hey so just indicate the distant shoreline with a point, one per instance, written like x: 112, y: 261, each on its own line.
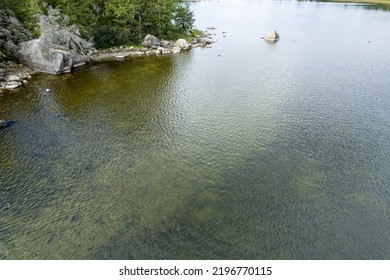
x: 368, y: 2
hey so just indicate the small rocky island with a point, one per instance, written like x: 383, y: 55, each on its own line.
x: 272, y: 36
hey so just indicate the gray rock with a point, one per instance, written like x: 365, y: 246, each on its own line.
x: 43, y: 59
x: 159, y: 50
x: 165, y: 43
x: 272, y: 36
x: 14, y: 78
x: 182, y: 44
x: 13, y: 84
x: 206, y: 41
x: 166, y: 51
x: 78, y: 60
x: 176, y: 50
x: 151, y: 41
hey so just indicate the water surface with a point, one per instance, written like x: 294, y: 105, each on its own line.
x: 247, y: 150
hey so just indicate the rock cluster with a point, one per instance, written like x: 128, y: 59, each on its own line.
x: 152, y: 45
x: 16, y: 76
x: 56, y: 60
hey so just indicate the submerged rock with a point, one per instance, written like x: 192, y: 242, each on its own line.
x: 76, y: 217
x: 6, y: 124
x: 272, y: 36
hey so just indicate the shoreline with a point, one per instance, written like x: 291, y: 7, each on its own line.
x: 368, y: 2
x: 16, y: 75
x: 122, y: 53
x: 379, y: 3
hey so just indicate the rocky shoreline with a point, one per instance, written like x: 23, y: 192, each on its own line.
x: 13, y: 75
x: 153, y: 46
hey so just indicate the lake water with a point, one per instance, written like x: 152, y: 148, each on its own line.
x: 247, y: 150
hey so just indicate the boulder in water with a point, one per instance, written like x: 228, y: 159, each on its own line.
x: 272, y: 36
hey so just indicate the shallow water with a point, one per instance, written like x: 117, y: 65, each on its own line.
x: 248, y: 150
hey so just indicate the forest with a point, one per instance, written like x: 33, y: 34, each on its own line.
x: 106, y: 23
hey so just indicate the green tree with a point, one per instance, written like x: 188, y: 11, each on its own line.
x: 110, y: 22
x: 24, y: 10
x: 184, y: 17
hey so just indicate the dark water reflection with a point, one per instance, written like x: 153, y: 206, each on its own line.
x: 244, y: 151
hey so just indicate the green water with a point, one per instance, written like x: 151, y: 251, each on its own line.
x: 247, y: 150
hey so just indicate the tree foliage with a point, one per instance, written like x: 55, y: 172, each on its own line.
x: 184, y: 17
x: 109, y: 22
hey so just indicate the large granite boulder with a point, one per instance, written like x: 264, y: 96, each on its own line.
x: 45, y: 59
x: 151, y: 41
x: 182, y: 44
x: 272, y: 36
